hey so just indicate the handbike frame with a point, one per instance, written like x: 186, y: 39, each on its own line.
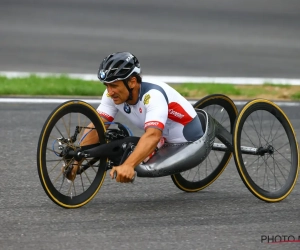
x: 224, y: 136
x: 192, y: 156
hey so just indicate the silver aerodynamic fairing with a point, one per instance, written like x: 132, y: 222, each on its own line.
x: 173, y: 158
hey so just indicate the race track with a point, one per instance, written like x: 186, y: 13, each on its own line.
x: 150, y: 214
x: 192, y: 38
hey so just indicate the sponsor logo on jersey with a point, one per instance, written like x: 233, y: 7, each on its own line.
x: 174, y: 113
x: 106, y: 116
x: 151, y: 124
x: 127, y: 108
x: 146, y: 99
x: 178, y: 114
x: 154, y: 124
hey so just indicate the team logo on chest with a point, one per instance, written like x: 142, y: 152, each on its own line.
x: 146, y: 99
x: 140, y: 109
x: 127, y: 108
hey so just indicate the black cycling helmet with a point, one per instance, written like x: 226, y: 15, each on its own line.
x: 118, y: 66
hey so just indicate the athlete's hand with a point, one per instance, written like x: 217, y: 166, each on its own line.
x: 125, y: 173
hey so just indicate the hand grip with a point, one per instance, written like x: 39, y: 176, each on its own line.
x: 132, y: 180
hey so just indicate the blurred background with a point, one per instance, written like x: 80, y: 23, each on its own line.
x: 232, y: 38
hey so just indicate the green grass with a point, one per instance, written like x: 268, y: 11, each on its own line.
x: 277, y: 85
x: 191, y: 89
x: 296, y: 96
x: 62, y: 85
x: 65, y: 86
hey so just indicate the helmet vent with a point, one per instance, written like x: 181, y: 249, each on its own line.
x: 119, y: 66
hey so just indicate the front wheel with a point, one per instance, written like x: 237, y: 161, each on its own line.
x: 271, y: 172
x: 62, y: 131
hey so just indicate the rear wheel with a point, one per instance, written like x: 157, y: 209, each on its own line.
x: 222, y: 109
x: 57, y: 136
x: 270, y: 174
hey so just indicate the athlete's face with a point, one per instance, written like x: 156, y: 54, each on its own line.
x: 118, y: 91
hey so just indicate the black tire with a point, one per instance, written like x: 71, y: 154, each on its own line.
x: 191, y: 180
x: 261, y: 123
x: 62, y: 123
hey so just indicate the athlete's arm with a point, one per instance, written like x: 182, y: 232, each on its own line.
x: 91, y: 136
x: 145, y: 146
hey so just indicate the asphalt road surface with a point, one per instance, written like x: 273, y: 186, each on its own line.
x: 150, y: 214
x: 170, y: 37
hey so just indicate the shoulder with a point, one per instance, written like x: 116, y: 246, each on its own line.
x: 149, y: 83
x: 153, y: 90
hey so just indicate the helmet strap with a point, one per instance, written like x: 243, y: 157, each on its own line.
x: 125, y: 81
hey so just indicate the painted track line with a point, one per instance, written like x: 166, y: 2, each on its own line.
x: 169, y: 79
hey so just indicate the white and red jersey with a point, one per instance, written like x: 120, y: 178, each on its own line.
x: 159, y: 106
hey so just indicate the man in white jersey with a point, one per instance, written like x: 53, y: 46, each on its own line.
x: 154, y: 107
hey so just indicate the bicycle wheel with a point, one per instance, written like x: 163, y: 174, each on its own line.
x: 221, y: 108
x: 57, y: 135
x: 271, y: 174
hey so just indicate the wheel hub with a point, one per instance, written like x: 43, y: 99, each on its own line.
x: 266, y: 150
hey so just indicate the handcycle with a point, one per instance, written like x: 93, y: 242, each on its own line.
x: 259, y: 136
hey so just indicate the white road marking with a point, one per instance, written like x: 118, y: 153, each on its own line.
x: 169, y: 79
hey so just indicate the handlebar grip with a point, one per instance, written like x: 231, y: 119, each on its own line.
x: 115, y: 175
x: 132, y: 180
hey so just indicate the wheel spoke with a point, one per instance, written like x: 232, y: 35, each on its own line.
x: 55, y: 166
x: 87, y: 177
x: 54, y: 160
x: 249, y: 139
x: 49, y: 149
x: 288, y: 160
x: 59, y: 131
x: 56, y: 179
x: 278, y: 167
x: 82, y: 183
x: 271, y: 130
x: 67, y: 129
